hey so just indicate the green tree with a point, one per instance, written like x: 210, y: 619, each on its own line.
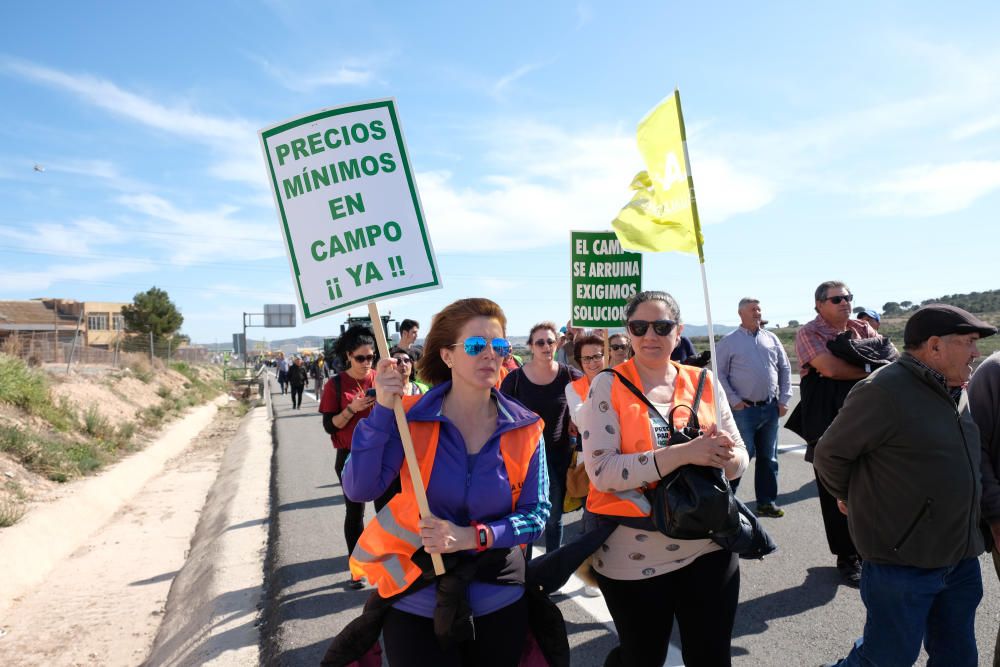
x: 153, y: 312
x: 793, y: 323
x: 905, y: 304
x: 891, y: 308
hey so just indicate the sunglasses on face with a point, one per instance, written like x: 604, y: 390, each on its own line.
x: 474, y: 346
x: 592, y: 358
x: 403, y: 360
x: 618, y: 347
x: 660, y: 327
x: 837, y: 300
x: 364, y: 358
x: 542, y: 342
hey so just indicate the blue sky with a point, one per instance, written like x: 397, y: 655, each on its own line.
x: 856, y: 142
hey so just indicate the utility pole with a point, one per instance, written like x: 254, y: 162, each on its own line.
x: 150, y: 346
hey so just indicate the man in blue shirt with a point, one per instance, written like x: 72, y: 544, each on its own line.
x: 755, y: 373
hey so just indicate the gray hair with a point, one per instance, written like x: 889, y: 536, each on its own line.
x: 747, y: 300
x: 826, y: 287
x: 643, y: 297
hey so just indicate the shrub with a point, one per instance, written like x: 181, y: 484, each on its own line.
x: 97, y: 425
x: 11, y: 512
x: 22, y: 386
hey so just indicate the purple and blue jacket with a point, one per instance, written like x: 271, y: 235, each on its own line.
x: 462, y: 488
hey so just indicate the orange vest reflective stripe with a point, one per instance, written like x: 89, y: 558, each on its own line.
x: 384, y: 554
x: 581, y: 387
x: 636, y: 432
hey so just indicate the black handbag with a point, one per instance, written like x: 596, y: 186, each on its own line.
x: 692, y: 502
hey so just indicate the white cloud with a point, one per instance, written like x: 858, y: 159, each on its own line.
x: 243, y: 239
x: 350, y: 72
x: 34, y: 281
x: 234, y: 140
x: 75, y: 238
x: 976, y: 127
x: 500, y: 86
x: 928, y: 190
x: 723, y: 190
x: 108, y: 96
x: 542, y: 181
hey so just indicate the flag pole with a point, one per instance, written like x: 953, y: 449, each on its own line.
x: 701, y: 259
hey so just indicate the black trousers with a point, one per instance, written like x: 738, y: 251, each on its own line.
x: 703, y: 596
x: 354, y: 515
x: 409, y: 640
x: 297, y: 390
x: 838, y: 537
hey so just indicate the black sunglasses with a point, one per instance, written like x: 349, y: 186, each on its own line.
x: 542, y: 342
x: 660, y: 327
x: 403, y: 359
x: 836, y: 300
x: 363, y: 358
x: 618, y: 347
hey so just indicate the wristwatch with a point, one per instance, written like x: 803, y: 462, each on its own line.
x: 482, y: 535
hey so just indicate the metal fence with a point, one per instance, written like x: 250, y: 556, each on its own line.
x: 49, y: 347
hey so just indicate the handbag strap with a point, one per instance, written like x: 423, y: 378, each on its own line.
x: 654, y: 413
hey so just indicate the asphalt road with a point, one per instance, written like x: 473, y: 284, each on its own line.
x: 793, y: 610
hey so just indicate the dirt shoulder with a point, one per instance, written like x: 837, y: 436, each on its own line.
x: 103, y: 604
x: 57, y: 427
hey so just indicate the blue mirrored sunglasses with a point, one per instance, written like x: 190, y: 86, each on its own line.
x: 474, y: 345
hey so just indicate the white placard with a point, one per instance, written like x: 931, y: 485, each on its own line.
x: 349, y: 209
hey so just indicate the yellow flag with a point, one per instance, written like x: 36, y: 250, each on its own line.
x: 662, y: 215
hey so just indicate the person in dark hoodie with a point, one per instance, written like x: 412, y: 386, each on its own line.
x: 902, y: 458
x: 482, y: 458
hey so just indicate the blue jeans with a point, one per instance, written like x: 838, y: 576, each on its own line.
x: 910, y: 605
x: 758, y: 426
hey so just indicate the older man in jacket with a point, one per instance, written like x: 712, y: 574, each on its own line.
x: 902, y: 457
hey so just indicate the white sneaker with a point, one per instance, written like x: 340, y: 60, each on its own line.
x: 591, y: 591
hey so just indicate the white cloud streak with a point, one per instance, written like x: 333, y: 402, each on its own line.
x: 501, y: 85
x: 930, y: 190
x: 246, y: 240
x: 108, y: 96
x: 43, y: 279
x: 544, y: 181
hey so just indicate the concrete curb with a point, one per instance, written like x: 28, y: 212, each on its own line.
x: 51, y: 532
x: 212, y: 610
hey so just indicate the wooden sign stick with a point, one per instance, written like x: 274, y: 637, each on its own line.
x: 404, y: 433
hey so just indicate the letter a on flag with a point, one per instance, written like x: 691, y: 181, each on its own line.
x: 662, y: 215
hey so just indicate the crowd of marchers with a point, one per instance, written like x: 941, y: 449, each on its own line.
x: 905, y: 444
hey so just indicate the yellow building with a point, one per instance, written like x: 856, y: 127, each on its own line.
x: 101, y: 324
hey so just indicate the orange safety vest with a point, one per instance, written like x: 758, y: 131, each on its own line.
x: 384, y: 554
x: 504, y: 371
x: 581, y: 386
x: 636, y: 432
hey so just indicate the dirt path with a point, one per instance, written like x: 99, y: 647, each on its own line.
x: 103, y: 604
